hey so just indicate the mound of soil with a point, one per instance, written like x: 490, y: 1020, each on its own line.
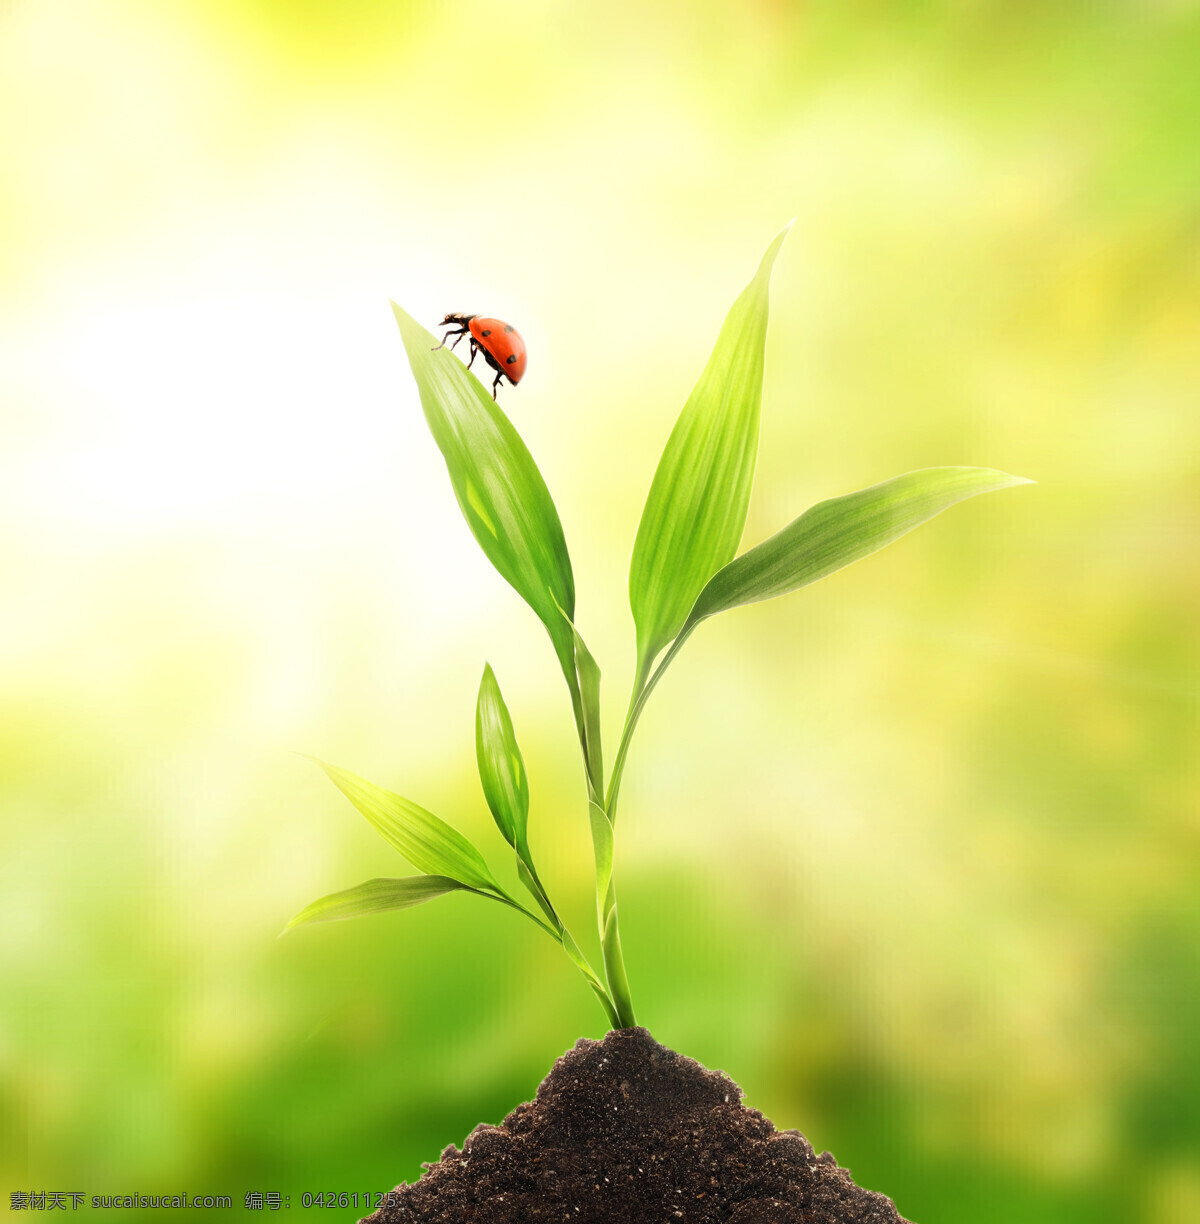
x: 626, y: 1130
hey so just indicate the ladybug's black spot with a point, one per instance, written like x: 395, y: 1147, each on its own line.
x: 510, y: 359
x: 487, y: 331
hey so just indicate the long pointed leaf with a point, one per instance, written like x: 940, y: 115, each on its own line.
x: 500, y: 491
x: 501, y: 766
x: 696, y: 510
x: 835, y: 533
x: 376, y: 896
x: 429, y: 844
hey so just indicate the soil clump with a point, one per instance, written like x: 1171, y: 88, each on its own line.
x: 625, y: 1130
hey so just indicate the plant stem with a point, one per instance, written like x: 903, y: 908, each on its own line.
x: 503, y: 897
x: 603, y: 809
x: 642, y: 688
x: 563, y: 936
x: 614, y: 967
x: 566, y: 941
x: 527, y: 874
x: 606, y: 810
x: 631, y: 717
x: 577, y: 958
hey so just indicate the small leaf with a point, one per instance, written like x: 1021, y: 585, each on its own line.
x: 500, y: 491
x: 588, y: 671
x: 696, y: 510
x: 505, y: 784
x: 834, y: 533
x: 602, y: 851
x: 501, y: 766
x: 428, y: 843
x: 588, y: 718
x: 376, y: 896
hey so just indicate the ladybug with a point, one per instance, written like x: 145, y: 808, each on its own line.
x: 500, y: 342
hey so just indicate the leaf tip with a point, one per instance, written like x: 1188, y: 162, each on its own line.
x: 316, y: 760
x: 768, y: 260
x: 1009, y: 481
x: 411, y: 332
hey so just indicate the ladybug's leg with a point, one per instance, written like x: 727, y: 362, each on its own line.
x: 458, y: 335
x: 474, y: 352
x: 495, y: 366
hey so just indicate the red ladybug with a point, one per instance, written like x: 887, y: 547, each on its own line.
x: 500, y: 342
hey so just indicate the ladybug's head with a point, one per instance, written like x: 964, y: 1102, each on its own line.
x: 460, y: 320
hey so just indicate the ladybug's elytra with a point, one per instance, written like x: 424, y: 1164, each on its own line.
x: 500, y: 342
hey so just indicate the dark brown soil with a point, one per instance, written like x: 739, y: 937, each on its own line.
x: 624, y: 1130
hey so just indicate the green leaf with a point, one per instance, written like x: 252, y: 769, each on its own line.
x: 500, y: 491
x: 376, y: 896
x: 696, y: 510
x: 428, y: 843
x: 505, y: 783
x: 834, y: 533
x: 501, y: 766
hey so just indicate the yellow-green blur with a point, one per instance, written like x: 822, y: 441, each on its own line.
x: 913, y: 854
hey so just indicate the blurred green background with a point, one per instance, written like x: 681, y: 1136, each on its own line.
x: 914, y: 854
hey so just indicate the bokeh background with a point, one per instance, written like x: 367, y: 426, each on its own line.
x: 914, y: 854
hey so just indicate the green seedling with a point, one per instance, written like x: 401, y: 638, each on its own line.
x: 684, y: 570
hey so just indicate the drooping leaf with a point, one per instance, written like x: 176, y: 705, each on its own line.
x: 835, y: 533
x: 696, y: 510
x: 501, y: 766
x: 376, y: 896
x: 429, y: 844
x: 500, y: 491
x: 528, y: 877
x: 571, y: 948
